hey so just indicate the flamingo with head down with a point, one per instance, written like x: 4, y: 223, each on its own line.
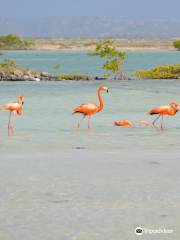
x: 16, y: 108
x: 90, y: 108
x: 124, y: 123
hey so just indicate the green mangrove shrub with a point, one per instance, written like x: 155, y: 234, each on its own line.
x: 72, y: 77
x: 113, y: 57
x: 15, y: 42
x: 176, y: 44
x: 160, y: 72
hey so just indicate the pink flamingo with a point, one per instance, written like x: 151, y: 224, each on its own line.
x: 16, y: 108
x: 88, y: 109
x: 170, y: 110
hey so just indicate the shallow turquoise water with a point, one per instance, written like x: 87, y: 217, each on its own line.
x: 48, y: 121
x: 81, y: 62
x: 58, y: 182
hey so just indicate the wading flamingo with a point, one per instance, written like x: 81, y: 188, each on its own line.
x: 16, y: 108
x: 123, y: 123
x: 170, y: 110
x: 88, y: 109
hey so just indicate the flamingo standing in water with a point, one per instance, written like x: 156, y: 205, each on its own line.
x: 88, y: 109
x: 16, y: 108
x: 170, y: 110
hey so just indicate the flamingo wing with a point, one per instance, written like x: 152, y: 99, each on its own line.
x: 164, y: 110
x: 12, y: 106
x: 86, y: 108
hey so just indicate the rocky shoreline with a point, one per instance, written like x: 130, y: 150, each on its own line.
x: 18, y: 76
x: 43, y: 76
x: 9, y: 71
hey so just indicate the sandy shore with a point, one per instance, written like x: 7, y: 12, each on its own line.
x: 90, y: 44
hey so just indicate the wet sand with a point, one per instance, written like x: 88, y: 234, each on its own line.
x: 83, y: 194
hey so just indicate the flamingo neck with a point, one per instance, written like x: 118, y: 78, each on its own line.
x: 101, y: 105
x: 20, y: 102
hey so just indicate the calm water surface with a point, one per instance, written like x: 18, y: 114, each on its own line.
x: 81, y: 62
x: 61, y: 183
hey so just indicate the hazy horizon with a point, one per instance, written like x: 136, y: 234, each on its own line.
x: 95, y: 18
x: 105, y: 17
x: 123, y: 9
x: 90, y: 27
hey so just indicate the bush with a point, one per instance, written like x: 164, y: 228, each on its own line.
x: 176, y: 44
x: 72, y: 77
x: 14, y: 42
x: 160, y: 72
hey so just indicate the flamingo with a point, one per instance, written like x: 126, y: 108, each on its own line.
x: 170, y: 110
x: 88, y: 109
x: 123, y: 123
x: 16, y: 108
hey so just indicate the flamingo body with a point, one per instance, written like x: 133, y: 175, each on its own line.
x: 16, y: 108
x: 163, y: 110
x: 87, y: 108
x: 124, y: 123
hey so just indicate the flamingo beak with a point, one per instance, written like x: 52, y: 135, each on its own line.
x: 107, y: 90
x: 22, y: 102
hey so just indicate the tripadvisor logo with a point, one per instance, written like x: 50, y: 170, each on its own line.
x: 139, y: 231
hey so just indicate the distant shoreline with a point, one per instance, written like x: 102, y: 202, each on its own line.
x: 89, y: 44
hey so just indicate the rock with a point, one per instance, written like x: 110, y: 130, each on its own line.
x: 2, y: 74
x: 30, y: 78
x: 37, y: 79
x: 45, y: 74
x: 18, y: 73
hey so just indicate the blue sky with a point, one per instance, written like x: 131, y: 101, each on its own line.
x: 131, y: 9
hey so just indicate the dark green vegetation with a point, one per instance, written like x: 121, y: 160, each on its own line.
x: 113, y: 57
x: 160, y: 72
x: 9, y: 71
x: 73, y: 77
x: 176, y: 44
x: 14, y: 42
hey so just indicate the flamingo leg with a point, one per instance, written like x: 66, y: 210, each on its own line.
x: 89, y: 122
x: 162, y: 122
x: 156, y: 120
x: 10, y: 126
x: 79, y: 124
